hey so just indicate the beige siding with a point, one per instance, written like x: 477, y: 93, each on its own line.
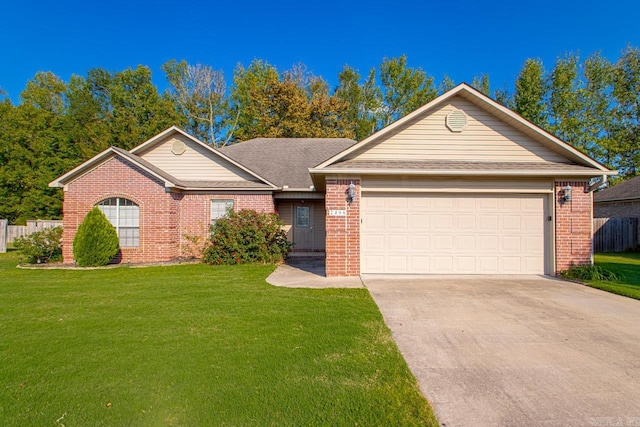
x: 319, y: 229
x: 285, y: 210
x: 485, y: 138
x: 448, y: 185
x: 195, y: 164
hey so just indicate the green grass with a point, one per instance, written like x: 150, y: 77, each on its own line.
x: 626, y: 266
x: 194, y: 345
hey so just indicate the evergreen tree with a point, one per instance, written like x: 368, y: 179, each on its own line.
x: 96, y: 242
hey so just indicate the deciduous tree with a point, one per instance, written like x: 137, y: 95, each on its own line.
x: 199, y: 93
x: 626, y: 93
x: 404, y: 89
x: 265, y: 103
x: 363, y: 100
x: 529, y: 96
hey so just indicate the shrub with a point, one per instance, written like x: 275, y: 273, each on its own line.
x: 96, y: 242
x: 589, y: 272
x: 42, y: 246
x: 246, y: 237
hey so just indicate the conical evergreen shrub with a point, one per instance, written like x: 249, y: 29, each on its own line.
x: 96, y: 242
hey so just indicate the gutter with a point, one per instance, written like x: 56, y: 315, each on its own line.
x: 458, y: 172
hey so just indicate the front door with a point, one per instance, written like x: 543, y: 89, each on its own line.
x: 303, y: 227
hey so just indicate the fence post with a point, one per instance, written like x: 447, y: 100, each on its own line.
x: 3, y: 235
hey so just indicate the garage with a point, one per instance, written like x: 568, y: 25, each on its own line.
x: 418, y: 233
x: 462, y: 185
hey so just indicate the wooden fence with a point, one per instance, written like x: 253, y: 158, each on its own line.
x: 3, y: 235
x: 615, y: 234
x: 9, y: 233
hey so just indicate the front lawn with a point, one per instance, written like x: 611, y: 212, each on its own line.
x: 194, y: 345
x: 626, y: 266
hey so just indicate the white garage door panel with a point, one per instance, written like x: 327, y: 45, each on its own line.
x: 453, y: 234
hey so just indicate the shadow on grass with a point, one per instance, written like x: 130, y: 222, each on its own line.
x: 626, y: 266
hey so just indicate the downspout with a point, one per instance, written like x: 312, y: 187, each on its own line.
x: 602, y: 181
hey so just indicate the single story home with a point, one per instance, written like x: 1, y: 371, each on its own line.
x: 619, y: 201
x: 462, y: 185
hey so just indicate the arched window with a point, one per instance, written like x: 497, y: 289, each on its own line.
x: 125, y: 217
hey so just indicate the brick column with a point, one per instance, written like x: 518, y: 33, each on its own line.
x: 70, y: 222
x: 573, y: 225
x: 343, y: 232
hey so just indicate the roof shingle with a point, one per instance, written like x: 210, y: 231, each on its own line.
x: 285, y: 161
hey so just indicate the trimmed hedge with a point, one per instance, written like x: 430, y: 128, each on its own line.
x: 246, y: 237
x: 96, y: 242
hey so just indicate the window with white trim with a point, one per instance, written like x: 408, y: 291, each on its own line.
x: 219, y: 208
x: 124, y: 215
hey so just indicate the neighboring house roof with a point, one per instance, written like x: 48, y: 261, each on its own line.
x: 286, y: 161
x: 627, y: 190
x: 577, y: 163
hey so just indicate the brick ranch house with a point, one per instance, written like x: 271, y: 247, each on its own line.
x: 462, y: 185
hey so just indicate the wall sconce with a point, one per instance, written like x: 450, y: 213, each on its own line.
x: 351, y: 193
x: 565, y: 194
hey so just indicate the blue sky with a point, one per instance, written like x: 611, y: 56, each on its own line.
x: 458, y: 37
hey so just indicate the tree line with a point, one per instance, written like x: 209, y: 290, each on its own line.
x: 593, y: 104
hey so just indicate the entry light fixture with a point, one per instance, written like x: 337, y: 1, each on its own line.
x: 565, y: 194
x: 351, y: 192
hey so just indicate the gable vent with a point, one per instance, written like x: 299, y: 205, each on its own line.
x: 178, y: 147
x: 456, y: 121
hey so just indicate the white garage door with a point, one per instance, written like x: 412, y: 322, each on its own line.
x: 453, y: 234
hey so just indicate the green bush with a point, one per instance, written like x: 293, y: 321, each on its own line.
x: 42, y: 246
x: 589, y: 272
x: 96, y: 242
x: 246, y: 237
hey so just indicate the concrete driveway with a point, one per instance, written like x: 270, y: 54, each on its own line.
x: 516, y: 351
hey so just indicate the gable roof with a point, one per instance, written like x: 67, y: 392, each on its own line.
x: 627, y: 190
x: 209, y: 150
x: 169, y: 180
x: 590, y: 167
x: 286, y: 161
x: 105, y: 155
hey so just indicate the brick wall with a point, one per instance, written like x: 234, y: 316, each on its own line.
x: 166, y: 219
x: 119, y: 178
x: 343, y: 232
x: 629, y: 209
x: 573, y: 225
x: 195, y: 216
